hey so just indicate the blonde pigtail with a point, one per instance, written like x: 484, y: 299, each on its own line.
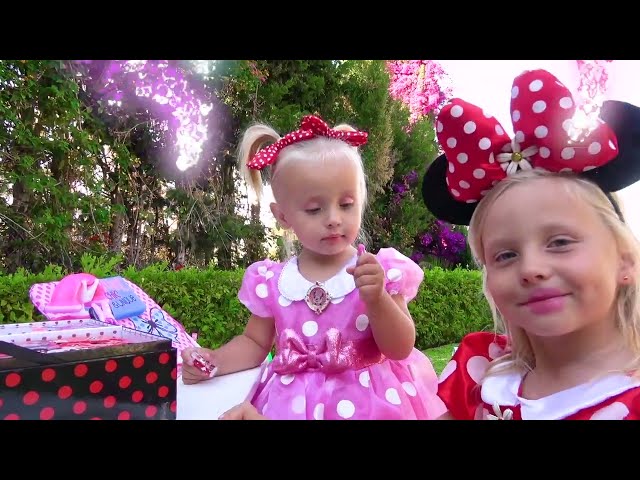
x: 254, y: 138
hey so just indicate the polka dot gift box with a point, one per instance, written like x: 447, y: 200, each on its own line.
x: 85, y: 369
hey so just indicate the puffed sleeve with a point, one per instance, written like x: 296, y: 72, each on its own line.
x: 458, y: 384
x: 402, y: 275
x: 258, y: 288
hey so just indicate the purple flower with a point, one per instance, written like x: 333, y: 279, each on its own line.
x: 426, y: 239
x: 441, y: 242
x: 417, y: 257
x: 400, y: 188
x: 411, y: 177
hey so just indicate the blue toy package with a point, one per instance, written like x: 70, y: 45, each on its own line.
x: 123, y: 301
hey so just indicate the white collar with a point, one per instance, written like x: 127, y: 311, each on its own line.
x: 293, y: 286
x: 503, y: 390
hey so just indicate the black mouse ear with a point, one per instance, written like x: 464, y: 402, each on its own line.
x: 624, y: 170
x: 437, y: 198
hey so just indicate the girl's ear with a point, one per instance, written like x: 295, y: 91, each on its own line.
x: 279, y: 215
x: 627, y: 271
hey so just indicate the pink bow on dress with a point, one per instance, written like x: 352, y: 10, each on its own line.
x: 331, y: 355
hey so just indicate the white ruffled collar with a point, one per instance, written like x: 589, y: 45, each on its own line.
x: 293, y: 286
x: 503, y: 390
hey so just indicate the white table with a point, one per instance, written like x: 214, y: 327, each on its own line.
x: 209, y: 399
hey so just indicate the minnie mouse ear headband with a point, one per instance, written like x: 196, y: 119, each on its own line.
x: 478, y: 153
x: 311, y: 127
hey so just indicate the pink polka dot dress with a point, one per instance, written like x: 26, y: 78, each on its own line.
x: 327, y: 365
x: 499, y: 397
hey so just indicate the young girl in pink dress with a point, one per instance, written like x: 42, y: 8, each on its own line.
x: 338, y: 315
x: 560, y: 264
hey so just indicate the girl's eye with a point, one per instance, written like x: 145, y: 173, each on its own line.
x: 503, y: 256
x: 560, y: 242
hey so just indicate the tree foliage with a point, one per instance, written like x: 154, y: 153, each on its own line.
x: 135, y: 160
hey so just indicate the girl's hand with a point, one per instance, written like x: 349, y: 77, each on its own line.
x: 244, y: 411
x: 369, y: 277
x: 197, y: 365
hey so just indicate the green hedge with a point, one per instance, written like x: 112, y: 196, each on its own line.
x: 448, y: 305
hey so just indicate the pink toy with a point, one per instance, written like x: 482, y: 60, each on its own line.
x: 81, y: 296
x: 360, y: 249
x: 73, y: 295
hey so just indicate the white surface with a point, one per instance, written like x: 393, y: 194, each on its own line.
x: 209, y: 399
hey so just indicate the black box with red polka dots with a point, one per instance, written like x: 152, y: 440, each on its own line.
x: 85, y: 369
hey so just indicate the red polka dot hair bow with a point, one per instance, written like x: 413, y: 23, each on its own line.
x: 478, y: 153
x: 310, y: 127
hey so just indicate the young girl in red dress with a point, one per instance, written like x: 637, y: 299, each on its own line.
x: 560, y: 265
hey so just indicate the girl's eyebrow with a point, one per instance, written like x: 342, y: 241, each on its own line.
x: 547, y: 228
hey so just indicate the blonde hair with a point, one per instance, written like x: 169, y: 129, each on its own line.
x: 259, y: 135
x: 627, y: 300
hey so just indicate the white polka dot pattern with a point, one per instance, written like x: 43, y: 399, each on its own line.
x: 287, y: 379
x: 310, y: 328
x: 346, y: 408
x: 318, y: 411
x: 542, y: 110
x: 392, y: 396
x: 362, y: 322
x: 298, y: 404
x: 615, y: 411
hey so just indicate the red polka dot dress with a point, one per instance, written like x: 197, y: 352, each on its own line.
x: 468, y: 397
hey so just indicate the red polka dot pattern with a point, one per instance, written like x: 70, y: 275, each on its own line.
x: 311, y: 126
x: 65, y: 392
x: 140, y: 386
x: 151, y: 411
x: 12, y: 380
x: 547, y: 135
x: 31, y: 398
x: 79, y: 407
x: 124, y: 415
x: 46, y: 413
x: 96, y: 387
x: 48, y: 374
x: 80, y: 370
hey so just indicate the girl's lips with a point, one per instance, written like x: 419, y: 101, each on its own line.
x: 546, y: 305
x: 541, y: 294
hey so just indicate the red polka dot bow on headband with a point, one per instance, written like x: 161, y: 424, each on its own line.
x: 548, y: 134
x: 310, y: 127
